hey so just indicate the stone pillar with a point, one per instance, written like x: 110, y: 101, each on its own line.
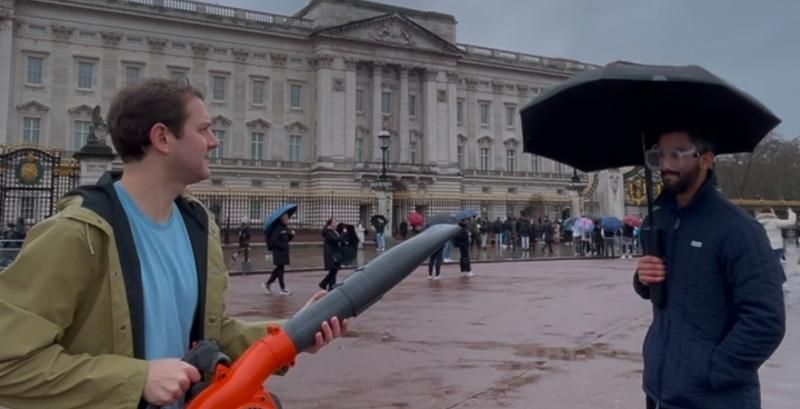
x: 405, y: 142
x: 277, y: 143
x: 430, y: 105
x: 385, y: 197
x: 6, y: 48
x: 238, y: 103
x: 577, y: 203
x: 350, y: 86
x: 497, y: 125
x: 472, y: 150
x: 377, y: 115
x: 325, y: 106
x: 452, y: 119
x: 610, y: 193
x: 95, y: 156
x: 64, y: 81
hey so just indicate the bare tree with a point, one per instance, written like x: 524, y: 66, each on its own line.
x: 772, y: 171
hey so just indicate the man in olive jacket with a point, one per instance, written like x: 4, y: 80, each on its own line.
x: 106, y: 296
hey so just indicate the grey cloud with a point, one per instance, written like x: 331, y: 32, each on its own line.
x: 749, y: 43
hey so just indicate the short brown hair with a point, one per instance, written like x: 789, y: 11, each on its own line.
x: 139, y: 106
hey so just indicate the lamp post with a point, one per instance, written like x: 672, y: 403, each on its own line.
x: 576, y: 186
x: 385, y: 138
x: 383, y: 187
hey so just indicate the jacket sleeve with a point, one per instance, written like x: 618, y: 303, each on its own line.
x: 641, y: 289
x: 754, y: 277
x: 787, y: 223
x: 39, y: 295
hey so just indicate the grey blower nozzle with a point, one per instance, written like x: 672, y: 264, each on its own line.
x: 367, y: 284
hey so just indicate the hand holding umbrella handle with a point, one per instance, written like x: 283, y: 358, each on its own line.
x: 653, y: 247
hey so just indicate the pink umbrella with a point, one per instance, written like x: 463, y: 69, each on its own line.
x: 415, y: 219
x: 632, y: 221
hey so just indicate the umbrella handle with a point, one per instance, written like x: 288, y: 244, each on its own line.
x: 654, y: 247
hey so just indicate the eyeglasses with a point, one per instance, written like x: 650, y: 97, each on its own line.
x: 654, y: 157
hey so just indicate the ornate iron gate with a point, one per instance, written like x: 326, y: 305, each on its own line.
x: 31, y: 182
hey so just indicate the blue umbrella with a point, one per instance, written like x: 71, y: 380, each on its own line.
x: 611, y: 223
x: 466, y: 214
x: 289, y: 208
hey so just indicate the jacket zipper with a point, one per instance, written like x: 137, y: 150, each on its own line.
x: 675, y: 227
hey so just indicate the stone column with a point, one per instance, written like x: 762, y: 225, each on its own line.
x: 472, y: 150
x: 610, y: 193
x: 405, y: 142
x: 238, y: 102
x: 577, y: 203
x: 452, y: 119
x: 64, y: 83
x: 6, y: 88
x: 498, y: 125
x: 350, y: 86
x: 430, y: 105
x: 321, y: 63
x: 199, y: 72
x: 377, y: 114
x: 277, y: 140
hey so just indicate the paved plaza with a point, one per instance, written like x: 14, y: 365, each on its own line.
x: 538, y: 334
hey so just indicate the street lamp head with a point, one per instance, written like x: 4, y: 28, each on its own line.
x: 385, y: 137
x: 575, y: 180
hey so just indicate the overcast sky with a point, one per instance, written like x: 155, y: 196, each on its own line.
x: 753, y: 44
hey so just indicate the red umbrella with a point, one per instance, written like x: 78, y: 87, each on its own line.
x: 632, y: 221
x: 415, y: 219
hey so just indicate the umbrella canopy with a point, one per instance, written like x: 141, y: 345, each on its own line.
x: 583, y: 225
x: 377, y: 219
x: 415, y: 219
x: 291, y: 209
x: 611, y: 223
x: 442, y: 218
x: 633, y: 221
x: 569, y: 222
x: 605, y: 112
x: 466, y: 214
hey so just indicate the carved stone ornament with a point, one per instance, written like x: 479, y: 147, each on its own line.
x: 350, y: 64
x: 200, y: 49
x: 62, y: 32
x: 321, y: 61
x: 110, y: 38
x: 338, y: 84
x: 156, y: 44
x: 278, y: 59
x: 392, y: 33
x: 241, y: 54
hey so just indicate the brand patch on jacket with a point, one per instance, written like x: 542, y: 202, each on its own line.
x: 697, y: 244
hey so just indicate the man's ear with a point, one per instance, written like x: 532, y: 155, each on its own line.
x: 707, y: 160
x: 159, y: 137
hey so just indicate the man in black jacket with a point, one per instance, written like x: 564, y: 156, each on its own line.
x: 724, y: 313
x: 461, y: 241
x: 278, y: 239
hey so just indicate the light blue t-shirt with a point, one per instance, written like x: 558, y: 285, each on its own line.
x: 169, y: 279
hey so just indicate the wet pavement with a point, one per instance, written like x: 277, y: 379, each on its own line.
x: 308, y: 256
x: 548, y: 334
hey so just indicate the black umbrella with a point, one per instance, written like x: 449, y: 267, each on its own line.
x: 606, y: 118
x: 377, y: 220
x: 597, y: 119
